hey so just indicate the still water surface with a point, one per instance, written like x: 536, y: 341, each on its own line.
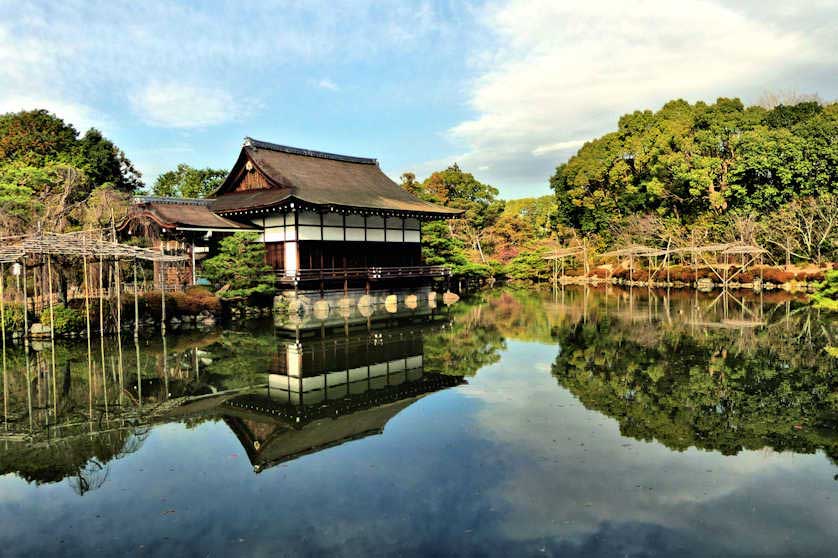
x: 514, y: 424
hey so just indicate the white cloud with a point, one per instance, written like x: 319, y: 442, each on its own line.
x: 560, y: 69
x: 175, y: 105
x: 326, y: 83
x: 79, y: 115
x: 558, y: 146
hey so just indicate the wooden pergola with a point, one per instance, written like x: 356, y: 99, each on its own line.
x: 85, y: 245
x: 747, y: 253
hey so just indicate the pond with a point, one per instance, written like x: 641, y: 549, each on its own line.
x: 574, y: 423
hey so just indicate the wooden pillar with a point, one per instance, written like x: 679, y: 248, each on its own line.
x: 118, y: 287
x: 34, y: 292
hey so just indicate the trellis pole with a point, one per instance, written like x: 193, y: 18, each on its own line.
x: 102, y: 330
x: 87, y: 326
x: 136, y: 304
x: 25, y: 305
x: 118, y: 286
x: 3, y: 334
x: 52, y: 334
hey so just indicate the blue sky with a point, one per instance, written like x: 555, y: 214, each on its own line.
x: 507, y: 89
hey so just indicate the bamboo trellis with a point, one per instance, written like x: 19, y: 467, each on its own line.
x: 87, y: 245
x: 80, y: 244
x: 748, y: 253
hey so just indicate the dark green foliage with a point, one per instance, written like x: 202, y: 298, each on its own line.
x: 529, y: 266
x: 827, y: 295
x: 188, y: 182
x: 13, y: 318
x: 691, y: 391
x: 239, y: 268
x: 66, y: 320
x: 48, y: 174
x: 686, y: 161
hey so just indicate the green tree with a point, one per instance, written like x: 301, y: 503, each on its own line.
x: 688, y: 162
x: 188, y: 182
x: 48, y: 173
x: 239, y: 267
x: 827, y: 295
x: 454, y: 188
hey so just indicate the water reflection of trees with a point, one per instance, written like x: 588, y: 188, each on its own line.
x: 725, y: 373
x: 703, y: 383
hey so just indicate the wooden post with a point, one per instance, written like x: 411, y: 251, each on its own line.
x: 87, y: 324
x: 118, y: 286
x: 34, y: 292
x: 102, y: 330
x: 3, y: 334
x: 136, y: 305
x: 52, y: 332
x: 162, y: 298
x: 25, y: 305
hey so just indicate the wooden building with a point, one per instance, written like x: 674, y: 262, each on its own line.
x: 326, y: 220
x: 326, y: 217
x: 178, y: 226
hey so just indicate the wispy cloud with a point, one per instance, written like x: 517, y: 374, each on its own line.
x: 556, y: 147
x: 81, y: 116
x: 175, y: 105
x: 326, y: 83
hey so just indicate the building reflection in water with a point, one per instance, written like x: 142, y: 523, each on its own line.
x: 281, y: 397
x: 327, y: 391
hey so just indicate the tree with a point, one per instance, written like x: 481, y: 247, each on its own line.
x: 410, y: 184
x: 239, y: 267
x: 827, y: 295
x: 693, y: 161
x: 454, y: 188
x: 48, y: 173
x: 188, y: 182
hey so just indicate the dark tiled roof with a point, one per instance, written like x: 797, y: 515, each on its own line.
x: 321, y: 179
x: 184, y: 213
x: 251, y: 199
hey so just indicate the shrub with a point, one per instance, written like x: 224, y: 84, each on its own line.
x: 777, y: 275
x: 827, y: 295
x: 66, y: 319
x: 13, y: 318
x: 195, y: 301
x: 152, y: 305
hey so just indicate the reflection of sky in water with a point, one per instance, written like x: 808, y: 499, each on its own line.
x: 510, y: 464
